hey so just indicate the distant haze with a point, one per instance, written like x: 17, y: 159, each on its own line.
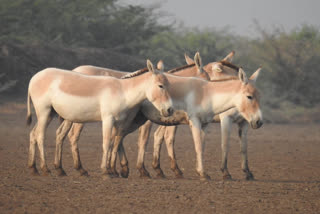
x: 239, y: 15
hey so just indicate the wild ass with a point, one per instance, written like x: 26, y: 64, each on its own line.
x: 82, y: 98
x: 167, y: 133
x: 197, y: 105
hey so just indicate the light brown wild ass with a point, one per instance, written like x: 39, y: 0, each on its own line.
x: 185, y: 121
x: 83, y: 98
x: 167, y: 133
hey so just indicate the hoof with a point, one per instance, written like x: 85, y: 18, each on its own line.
x: 45, y: 172
x: 34, y: 171
x: 61, y: 172
x: 124, y: 172
x: 160, y: 175
x: 106, y: 176
x: 227, y: 177
x: 145, y: 175
x: 249, y: 176
x: 84, y: 173
x: 205, y: 177
x: 180, y: 176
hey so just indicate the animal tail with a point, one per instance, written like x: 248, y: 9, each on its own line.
x: 29, y: 114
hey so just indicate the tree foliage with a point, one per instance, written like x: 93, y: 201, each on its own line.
x: 291, y: 57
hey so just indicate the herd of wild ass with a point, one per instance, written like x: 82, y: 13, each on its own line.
x: 193, y: 95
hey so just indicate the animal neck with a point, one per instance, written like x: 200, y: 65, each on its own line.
x: 224, y: 95
x: 135, y: 88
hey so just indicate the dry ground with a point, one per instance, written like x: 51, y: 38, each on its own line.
x: 284, y: 159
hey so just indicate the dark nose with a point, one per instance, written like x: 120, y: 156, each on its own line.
x: 170, y: 111
x: 259, y: 123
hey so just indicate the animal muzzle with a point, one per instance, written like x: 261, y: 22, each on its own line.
x: 167, y: 112
x: 256, y: 124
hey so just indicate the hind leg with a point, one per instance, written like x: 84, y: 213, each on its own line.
x: 43, y: 121
x: 73, y: 136
x: 32, y: 151
x: 61, y: 133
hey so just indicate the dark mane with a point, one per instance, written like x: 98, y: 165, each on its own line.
x: 135, y: 73
x: 230, y: 65
x: 225, y: 79
x: 180, y: 68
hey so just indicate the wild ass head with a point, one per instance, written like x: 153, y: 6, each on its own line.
x: 220, y: 69
x: 157, y: 93
x: 248, y: 101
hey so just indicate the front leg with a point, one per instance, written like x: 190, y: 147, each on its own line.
x: 226, y: 124
x: 196, y: 129
x: 107, y: 125
x: 158, y: 138
x: 243, y: 130
x: 144, y: 132
x: 170, y: 133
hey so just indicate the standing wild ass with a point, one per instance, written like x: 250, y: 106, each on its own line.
x: 167, y: 133
x: 82, y: 98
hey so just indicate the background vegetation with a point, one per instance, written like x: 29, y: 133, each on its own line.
x: 35, y: 34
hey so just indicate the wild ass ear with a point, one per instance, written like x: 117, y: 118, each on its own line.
x: 150, y: 66
x: 242, y: 76
x: 198, y: 62
x: 160, y: 65
x: 229, y: 57
x: 189, y: 61
x: 217, y: 67
x: 255, y: 75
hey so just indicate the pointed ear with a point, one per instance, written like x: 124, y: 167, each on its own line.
x: 188, y: 59
x: 242, y: 76
x: 255, y: 75
x: 198, y: 61
x: 217, y: 67
x: 229, y: 57
x: 150, y: 66
x: 160, y: 65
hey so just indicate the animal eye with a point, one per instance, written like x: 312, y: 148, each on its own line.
x: 249, y: 97
x: 160, y: 86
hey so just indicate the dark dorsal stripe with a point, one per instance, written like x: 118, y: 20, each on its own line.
x: 181, y: 68
x: 135, y: 73
x: 230, y: 65
x: 225, y: 79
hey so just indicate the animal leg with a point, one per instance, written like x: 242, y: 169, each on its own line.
x: 43, y: 121
x: 158, y: 139
x: 225, y: 124
x: 32, y: 150
x: 116, y: 143
x: 61, y: 133
x: 243, y: 130
x: 73, y: 136
x: 144, y: 132
x: 170, y: 139
x: 123, y: 161
x: 107, y: 125
x: 196, y: 129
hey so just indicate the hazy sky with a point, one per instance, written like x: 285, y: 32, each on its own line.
x: 238, y: 15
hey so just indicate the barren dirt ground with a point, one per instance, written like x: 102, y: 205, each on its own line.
x: 284, y: 159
